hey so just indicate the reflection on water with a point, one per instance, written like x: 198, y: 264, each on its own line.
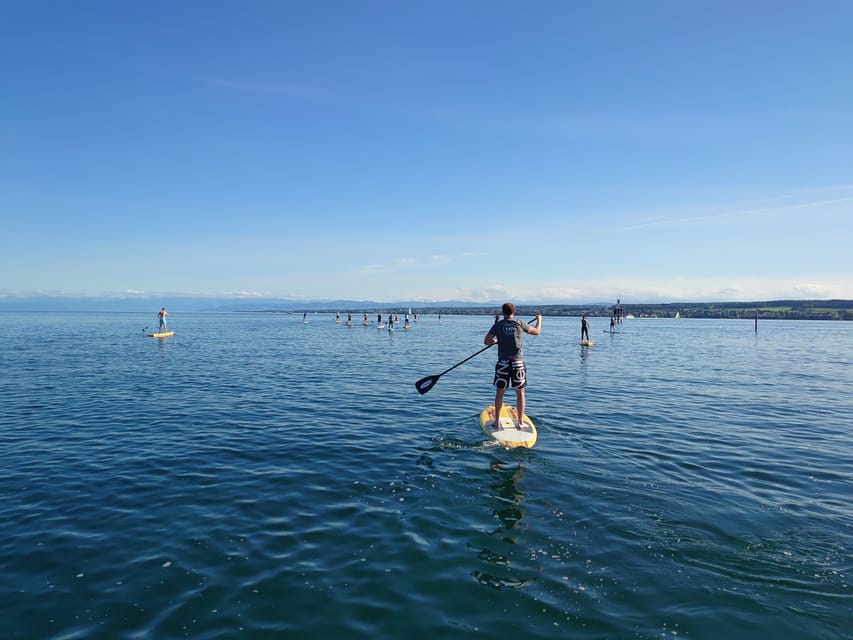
x: 507, y: 508
x: 509, y: 499
x: 584, y: 368
x: 162, y: 344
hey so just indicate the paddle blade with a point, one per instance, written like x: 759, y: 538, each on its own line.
x: 425, y: 384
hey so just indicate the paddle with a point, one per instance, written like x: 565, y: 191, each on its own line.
x: 425, y: 384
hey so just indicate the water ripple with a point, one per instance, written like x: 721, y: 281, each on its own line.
x: 257, y: 476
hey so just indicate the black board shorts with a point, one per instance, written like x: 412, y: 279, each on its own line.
x: 510, y: 372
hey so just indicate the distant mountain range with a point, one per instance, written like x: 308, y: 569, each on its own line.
x: 200, y: 303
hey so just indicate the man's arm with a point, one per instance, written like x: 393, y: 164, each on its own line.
x: 534, y: 331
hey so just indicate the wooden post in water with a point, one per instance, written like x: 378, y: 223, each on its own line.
x: 756, y: 321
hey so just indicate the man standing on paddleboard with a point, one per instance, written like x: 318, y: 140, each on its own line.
x: 507, y: 334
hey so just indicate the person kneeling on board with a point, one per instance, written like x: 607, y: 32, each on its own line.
x: 507, y: 334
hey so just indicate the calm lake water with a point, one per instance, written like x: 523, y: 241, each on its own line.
x: 257, y: 477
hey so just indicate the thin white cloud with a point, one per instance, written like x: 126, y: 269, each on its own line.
x: 799, y: 194
x: 815, y: 290
x: 248, y: 294
x: 645, y: 290
x: 724, y: 216
x: 371, y: 269
x: 268, y: 87
x: 652, y: 290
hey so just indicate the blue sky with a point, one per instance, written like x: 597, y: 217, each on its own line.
x: 473, y: 150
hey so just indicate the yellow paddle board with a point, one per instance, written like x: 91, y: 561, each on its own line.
x: 506, y: 431
x: 587, y: 343
x: 165, y: 334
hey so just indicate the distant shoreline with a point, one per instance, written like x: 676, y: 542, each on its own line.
x: 770, y: 310
x: 836, y: 309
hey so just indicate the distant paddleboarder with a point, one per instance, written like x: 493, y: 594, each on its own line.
x: 584, y: 328
x: 161, y: 316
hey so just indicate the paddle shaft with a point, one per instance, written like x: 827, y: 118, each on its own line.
x: 488, y: 346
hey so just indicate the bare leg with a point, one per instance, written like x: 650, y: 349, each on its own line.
x: 499, y: 403
x: 519, y: 401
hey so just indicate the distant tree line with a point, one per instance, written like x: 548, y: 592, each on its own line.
x: 768, y: 310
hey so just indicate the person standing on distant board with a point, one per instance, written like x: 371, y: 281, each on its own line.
x: 510, y: 369
x: 584, y: 328
x: 612, y: 324
x: 162, y: 318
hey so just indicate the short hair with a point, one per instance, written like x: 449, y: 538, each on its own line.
x: 508, y: 308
